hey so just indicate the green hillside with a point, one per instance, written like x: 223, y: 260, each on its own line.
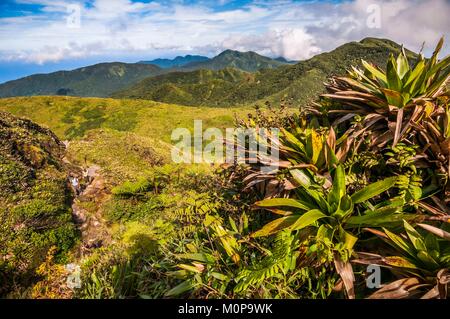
x: 98, y: 80
x: 72, y: 117
x: 300, y: 82
x: 101, y: 80
x: 201, y: 87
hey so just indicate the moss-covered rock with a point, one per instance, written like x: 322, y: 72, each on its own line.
x: 34, y: 200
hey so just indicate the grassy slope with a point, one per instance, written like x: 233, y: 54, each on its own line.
x: 200, y: 87
x: 125, y: 137
x: 71, y: 117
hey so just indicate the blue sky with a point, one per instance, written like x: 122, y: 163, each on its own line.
x: 40, y: 36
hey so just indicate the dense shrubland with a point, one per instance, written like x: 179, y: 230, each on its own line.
x: 364, y: 179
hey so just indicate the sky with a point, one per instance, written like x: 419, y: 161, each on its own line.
x: 41, y: 36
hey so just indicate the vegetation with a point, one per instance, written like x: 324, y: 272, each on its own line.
x: 34, y: 197
x: 201, y: 87
x: 179, y: 61
x: 101, y: 80
x: 362, y: 178
x: 98, y: 80
x: 71, y: 118
x: 244, y: 61
x: 369, y: 173
x: 231, y: 87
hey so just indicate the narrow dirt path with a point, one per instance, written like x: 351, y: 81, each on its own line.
x: 87, y: 206
x: 88, y: 213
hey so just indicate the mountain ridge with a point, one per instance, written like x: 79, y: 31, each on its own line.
x: 246, y: 61
x: 300, y: 82
x: 100, y: 80
x: 176, y: 62
x: 227, y: 84
x: 103, y: 79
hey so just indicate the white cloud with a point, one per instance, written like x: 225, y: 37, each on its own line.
x: 294, y: 44
x: 296, y: 30
x: 410, y: 22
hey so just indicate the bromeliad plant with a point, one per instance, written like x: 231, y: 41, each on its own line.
x: 311, y: 202
x: 390, y: 105
x: 374, y: 167
x: 422, y: 259
x: 332, y: 212
x: 406, y: 106
x: 398, y: 87
x: 300, y: 145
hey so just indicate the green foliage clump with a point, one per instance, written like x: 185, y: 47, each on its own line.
x: 34, y: 211
x: 354, y: 165
x: 122, y: 121
x: 93, y: 118
x: 133, y: 189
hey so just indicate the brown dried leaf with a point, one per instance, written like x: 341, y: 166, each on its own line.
x: 399, y: 289
x: 345, y: 270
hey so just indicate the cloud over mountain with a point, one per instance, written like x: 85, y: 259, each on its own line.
x: 44, y: 31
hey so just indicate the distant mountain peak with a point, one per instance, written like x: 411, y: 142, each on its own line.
x: 228, y: 85
x: 176, y: 62
x: 245, y: 61
x: 230, y: 52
